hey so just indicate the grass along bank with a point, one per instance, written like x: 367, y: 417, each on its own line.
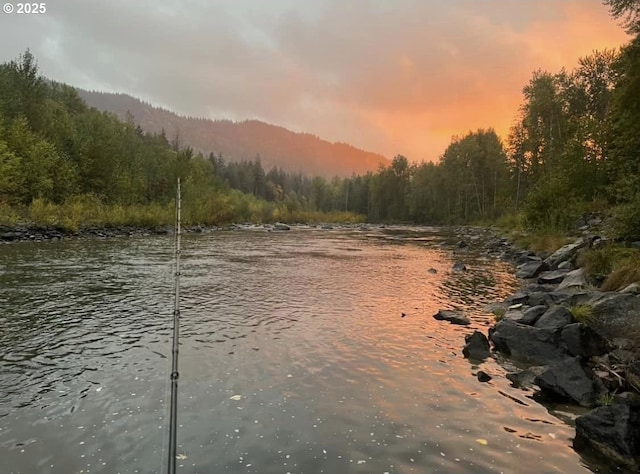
x: 89, y: 211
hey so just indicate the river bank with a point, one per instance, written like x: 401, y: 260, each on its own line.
x: 51, y: 234
x: 33, y: 233
x: 571, y: 341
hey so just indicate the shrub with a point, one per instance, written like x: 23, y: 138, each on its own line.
x: 583, y: 313
x: 626, y: 225
x: 616, y: 266
x: 499, y: 313
x: 623, y: 275
x: 547, y: 241
x: 549, y: 206
x: 9, y: 216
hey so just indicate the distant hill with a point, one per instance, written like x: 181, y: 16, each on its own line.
x: 237, y: 141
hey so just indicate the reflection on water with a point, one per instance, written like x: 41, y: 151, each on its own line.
x: 294, y: 358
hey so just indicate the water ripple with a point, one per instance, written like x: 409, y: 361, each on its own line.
x: 294, y: 357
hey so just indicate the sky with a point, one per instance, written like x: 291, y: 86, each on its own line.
x: 388, y: 76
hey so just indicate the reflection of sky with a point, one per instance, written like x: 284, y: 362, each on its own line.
x: 293, y: 357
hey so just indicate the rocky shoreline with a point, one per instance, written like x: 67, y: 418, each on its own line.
x: 26, y: 233
x: 575, y: 343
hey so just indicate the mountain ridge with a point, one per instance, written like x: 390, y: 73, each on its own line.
x: 244, y: 140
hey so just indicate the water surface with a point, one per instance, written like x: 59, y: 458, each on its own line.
x: 294, y: 358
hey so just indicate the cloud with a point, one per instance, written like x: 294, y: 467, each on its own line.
x: 398, y: 76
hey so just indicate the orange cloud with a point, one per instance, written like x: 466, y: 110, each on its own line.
x: 477, y: 83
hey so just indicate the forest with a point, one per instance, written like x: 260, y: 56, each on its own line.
x: 574, y: 149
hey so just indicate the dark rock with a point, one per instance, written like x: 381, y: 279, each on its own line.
x: 483, y: 376
x: 568, y: 379
x: 525, y: 378
x: 9, y: 236
x: 565, y: 266
x: 616, y: 315
x: 518, y: 298
x: 573, y: 279
x: 555, y: 318
x: 613, y: 431
x: 281, y: 226
x: 514, y: 313
x: 566, y: 253
x: 552, y: 278
x: 433, y: 271
x: 531, y: 269
x: 476, y: 347
x: 581, y: 340
x: 462, y: 244
x: 459, y: 267
x: 525, y: 256
x: 540, y: 298
x: 454, y: 317
x: 570, y: 297
x: 531, y: 315
x: 527, y: 344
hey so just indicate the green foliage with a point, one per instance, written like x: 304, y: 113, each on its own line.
x: 628, y: 11
x: 474, y: 172
x: 575, y: 143
x: 550, y: 206
x: 615, y: 266
x: 623, y: 274
x: 88, y: 211
x: 626, y: 225
x: 9, y: 215
x: 583, y: 314
x: 547, y: 241
x: 606, y: 399
x: 10, y: 175
x: 499, y: 314
x: 512, y: 221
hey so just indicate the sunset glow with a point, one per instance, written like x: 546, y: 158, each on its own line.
x: 390, y: 77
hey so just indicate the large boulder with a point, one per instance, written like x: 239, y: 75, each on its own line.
x: 531, y: 345
x: 531, y: 315
x: 613, y: 431
x: 454, y: 317
x: 476, y: 347
x: 568, y: 379
x: 524, y: 314
x: 571, y: 296
x: 581, y: 340
x: 616, y: 315
x: 555, y: 318
x: 566, y: 253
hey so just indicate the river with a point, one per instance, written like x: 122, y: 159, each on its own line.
x: 295, y: 357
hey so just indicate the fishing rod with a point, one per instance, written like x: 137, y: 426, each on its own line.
x: 173, y: 417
